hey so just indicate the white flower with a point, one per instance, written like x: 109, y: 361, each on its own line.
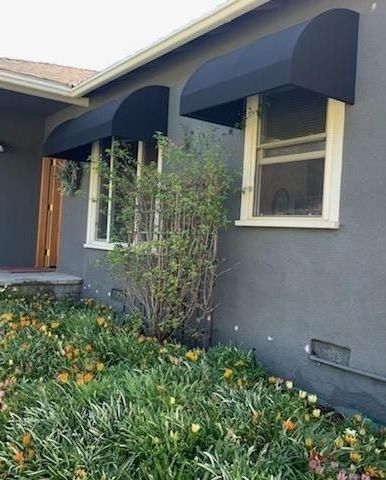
x: 289, y: 384
x: 316, y: 412
x: 351, y: 433
x: 302, y: 394
x: 312, y: 398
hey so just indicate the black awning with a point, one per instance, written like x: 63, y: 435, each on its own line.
x: 318, y: 55
x: 135, y: 117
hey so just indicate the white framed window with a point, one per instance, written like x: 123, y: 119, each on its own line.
x: 102, y: 220
x: 293, y: 149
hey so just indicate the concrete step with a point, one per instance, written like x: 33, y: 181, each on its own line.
x: 60, y: 285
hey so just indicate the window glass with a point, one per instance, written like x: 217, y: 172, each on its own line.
x: 119, y: 166
x: 289, y: 172
x: 292, y: 114
x: 291, y: 188
x: 295, y: 149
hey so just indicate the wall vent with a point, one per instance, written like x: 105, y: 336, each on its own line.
x: 330, y: 352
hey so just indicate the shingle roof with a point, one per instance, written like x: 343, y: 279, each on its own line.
x: 48, y: 71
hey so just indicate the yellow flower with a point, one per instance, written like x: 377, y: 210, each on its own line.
x: 307, y: 417
x: 63, y: 377
x: 355, y: 457
x: 26, y: 439
x: 100, y: 366
x: 316, y: 412
x: 88, y: 377
x: 339, y: 442
x: 101, y: 322
x: 173, y: 360
x: 7, y: 316
x: 83, y: 378
x: 228, y: 373
x: 18, y: 456
x: 374, y: 472
x: 174, y: 436
x: 55, y: 325
x: 350, y: 440
x: 192, y: 355
x: 289, y: 425
x: 357, y: 418
x: 88, y: 348
x: 309, y: 442
x: 163, y: 350
x: 80, y: 473
x: 195, y: 427
x: 256, y: 417
x: 172, y: 401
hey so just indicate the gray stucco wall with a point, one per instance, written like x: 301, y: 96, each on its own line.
x: 20, y: 167
x: 288, y: 286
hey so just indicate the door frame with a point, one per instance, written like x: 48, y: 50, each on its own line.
x: 45, y: 179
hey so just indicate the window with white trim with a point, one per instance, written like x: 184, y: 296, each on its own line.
x: 103, y: 229
x: 292, y: 160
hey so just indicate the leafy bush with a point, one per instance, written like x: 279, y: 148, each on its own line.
x: 84, y: 396
x: 166, y: 226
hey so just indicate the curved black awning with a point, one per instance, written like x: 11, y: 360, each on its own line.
x: 135, y: 117
x: 318, y: 55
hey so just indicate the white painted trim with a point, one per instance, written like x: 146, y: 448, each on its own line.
x: 334, y: 159
x: 38, y: 87
x: 93, y: 195
x: 99, y: 246
x: 288, y: 222
x: 332, y: 171
x: 293, y: 141
x: 250, y: 151
x: 293, y: 157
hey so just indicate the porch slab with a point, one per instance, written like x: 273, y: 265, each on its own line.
x: 60, y: 285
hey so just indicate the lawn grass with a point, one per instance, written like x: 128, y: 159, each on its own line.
x: 85, y: 396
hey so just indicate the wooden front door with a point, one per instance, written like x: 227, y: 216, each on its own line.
x: 50, y: 207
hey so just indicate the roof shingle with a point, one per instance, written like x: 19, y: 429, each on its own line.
x: 48, y: 71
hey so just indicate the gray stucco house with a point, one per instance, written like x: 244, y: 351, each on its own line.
x: 303, y: 85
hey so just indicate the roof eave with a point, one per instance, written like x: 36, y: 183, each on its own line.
x: 220, y: 16
x: 38, y: 87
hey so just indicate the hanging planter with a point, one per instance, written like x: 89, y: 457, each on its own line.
x: 70, y: 177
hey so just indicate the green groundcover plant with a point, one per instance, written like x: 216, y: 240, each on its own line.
x: 85, y: 395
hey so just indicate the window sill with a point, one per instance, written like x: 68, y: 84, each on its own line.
x: 99, y: 246
x: 102, y: 245
x: 286, y: 222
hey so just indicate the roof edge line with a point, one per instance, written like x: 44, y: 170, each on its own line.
x: 27, y: 84
x: 223, y: 14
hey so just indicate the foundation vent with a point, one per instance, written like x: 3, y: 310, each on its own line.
x: 330, y: 352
